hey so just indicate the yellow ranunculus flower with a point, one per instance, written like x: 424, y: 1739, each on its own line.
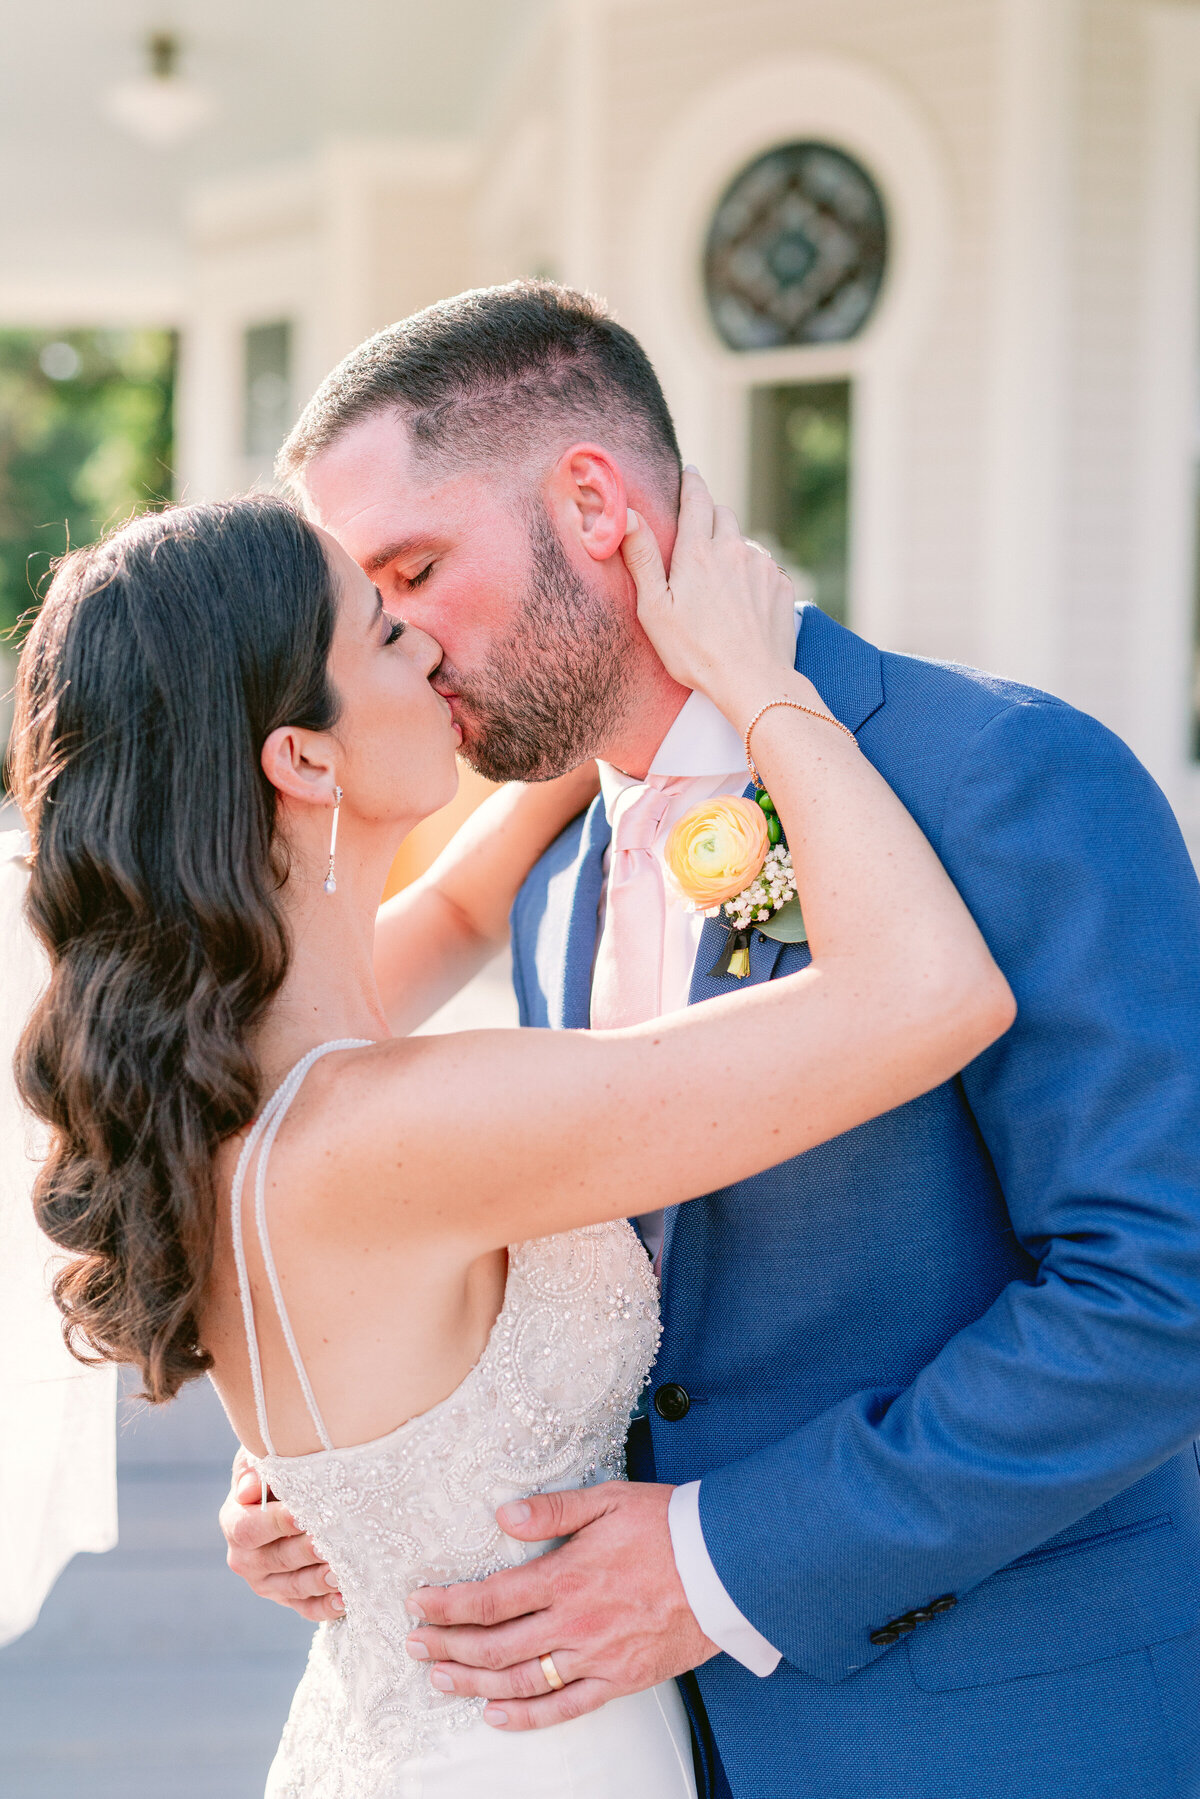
x: 716, y: 849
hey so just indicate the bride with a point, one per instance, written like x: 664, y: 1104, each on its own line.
x: 404, y: 1261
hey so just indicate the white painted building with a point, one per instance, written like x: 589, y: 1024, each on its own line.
x: 1020, y: 401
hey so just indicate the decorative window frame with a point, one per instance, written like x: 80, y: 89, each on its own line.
x: 1167, y: 552
x: 847, y: 104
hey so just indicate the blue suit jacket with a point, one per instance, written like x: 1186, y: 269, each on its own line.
x: 957, y: 1350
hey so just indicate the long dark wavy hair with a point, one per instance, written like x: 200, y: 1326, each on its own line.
x: 160, y: 661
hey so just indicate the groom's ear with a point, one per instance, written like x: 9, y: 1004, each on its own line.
x: 587, y: 498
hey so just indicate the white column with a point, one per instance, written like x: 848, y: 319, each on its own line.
x: 344, y: 317
x: 1160, y: 626
x: 207, y: 396
x: 1027, y: 384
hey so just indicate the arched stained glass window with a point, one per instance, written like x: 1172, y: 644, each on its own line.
x: 797, y: 250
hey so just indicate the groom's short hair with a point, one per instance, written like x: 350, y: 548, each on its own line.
x: 494, y: 375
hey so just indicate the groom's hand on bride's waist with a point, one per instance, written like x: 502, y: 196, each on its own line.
x: 607, y: 1606
x: 275, y: 1558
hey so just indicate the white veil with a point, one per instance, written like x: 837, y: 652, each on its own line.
x: 58, y: 1489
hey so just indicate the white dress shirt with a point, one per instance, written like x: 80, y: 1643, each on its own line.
x: 704, y: 749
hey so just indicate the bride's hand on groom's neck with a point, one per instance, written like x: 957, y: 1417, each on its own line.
x: 723, y: 621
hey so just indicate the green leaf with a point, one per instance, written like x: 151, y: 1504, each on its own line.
x: 787, y: 925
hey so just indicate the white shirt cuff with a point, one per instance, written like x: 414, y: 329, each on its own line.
x: 715, y: 1612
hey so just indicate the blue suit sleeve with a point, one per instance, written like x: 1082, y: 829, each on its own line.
x: 517, y: 944
x: 1081, y: 1380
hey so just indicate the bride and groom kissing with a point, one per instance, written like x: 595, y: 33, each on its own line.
x: 914, y: 1503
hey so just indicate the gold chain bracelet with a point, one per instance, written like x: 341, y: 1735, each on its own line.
x: 825, y: 717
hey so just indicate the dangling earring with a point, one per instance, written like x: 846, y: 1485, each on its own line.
x: 330, y: 878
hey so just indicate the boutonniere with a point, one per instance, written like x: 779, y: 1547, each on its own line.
x: 727, y: 858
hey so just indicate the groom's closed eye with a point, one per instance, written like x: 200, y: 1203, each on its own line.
x: 411, y: 581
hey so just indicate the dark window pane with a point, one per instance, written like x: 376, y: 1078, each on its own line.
x: 796, y: 251
x: 800, y: 439
x: 268, y: 395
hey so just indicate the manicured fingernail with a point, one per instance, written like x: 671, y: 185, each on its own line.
x: 418, y: 1651
x: 689, y: 468
x: 516, y: 1513
x: 331, y: 1580
x: 338, y: 1603
x: 248, y: 1489
x: 493, y: 1716
x: 415, y: 1609
x: 442, y: 1682
x: 632, y: 521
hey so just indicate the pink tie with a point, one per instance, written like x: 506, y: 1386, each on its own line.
x: 627, y: 982
x: 627, y: 979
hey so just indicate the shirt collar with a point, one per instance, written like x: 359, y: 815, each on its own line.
x: 700, y: 742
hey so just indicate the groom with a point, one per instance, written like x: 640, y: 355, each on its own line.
x: 916, y: 1493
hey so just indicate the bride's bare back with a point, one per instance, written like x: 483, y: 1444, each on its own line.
x: 388, y: 1325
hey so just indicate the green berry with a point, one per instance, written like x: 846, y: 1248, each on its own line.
x: 768, y: 806
x: 774, y: 829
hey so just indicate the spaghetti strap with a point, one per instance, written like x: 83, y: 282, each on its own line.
x: 263, y: 1133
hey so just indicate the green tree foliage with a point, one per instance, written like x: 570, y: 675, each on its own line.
x: 85, y: 440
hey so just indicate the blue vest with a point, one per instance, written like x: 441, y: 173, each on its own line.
x: 956, y: 1352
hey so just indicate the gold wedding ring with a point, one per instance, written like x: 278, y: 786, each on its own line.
x: 546, y: 1664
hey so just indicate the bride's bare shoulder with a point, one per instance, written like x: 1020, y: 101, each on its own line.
x: 483, y: 1138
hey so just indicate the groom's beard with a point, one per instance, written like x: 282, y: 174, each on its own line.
x: 555, y: 691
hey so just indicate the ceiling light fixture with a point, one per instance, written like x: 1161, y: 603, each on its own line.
x: 160, y: 108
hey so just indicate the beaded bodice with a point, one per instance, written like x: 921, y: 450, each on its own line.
x: 547, y: 1406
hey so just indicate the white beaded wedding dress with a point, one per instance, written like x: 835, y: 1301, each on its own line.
x: 546, y: 1407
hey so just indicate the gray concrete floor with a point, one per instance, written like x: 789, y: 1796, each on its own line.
x: 153, y: 1673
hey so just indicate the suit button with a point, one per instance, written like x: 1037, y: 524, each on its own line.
x: 672, y: 1402
x: 946, y: 1603
x: 904, y: 1625
x: 881, y: 1638
x: 923, y: 1616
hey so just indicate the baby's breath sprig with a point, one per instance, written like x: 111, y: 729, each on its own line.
x: 771, y: 888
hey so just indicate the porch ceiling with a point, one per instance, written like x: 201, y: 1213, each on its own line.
x: 86, y: 209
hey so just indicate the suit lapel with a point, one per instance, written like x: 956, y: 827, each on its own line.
x: 848, y: 674
x: 567, y: 937
x: 846, y: 671
x: 764, y: 953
